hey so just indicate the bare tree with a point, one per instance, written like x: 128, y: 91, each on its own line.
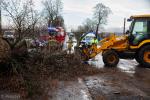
x: 59, y: 7
x: 53, y: 10
x: 89, y: 25
x: 24, y: 18
x: 101, y: 13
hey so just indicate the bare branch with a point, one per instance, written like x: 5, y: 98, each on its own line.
x: 23, y: 15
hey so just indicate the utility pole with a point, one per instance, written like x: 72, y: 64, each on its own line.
x: 0, y: 19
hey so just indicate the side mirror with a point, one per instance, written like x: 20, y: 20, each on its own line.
x: 129, y: 20
x: 127, y: 32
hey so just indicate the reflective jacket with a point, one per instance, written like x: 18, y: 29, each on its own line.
x: 94, y: 41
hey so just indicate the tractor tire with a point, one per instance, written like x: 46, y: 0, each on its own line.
x: 110, y: 58
x: 144, y: 56
x: 137, y: 57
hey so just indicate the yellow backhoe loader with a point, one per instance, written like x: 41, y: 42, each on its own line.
x: 134, y: 44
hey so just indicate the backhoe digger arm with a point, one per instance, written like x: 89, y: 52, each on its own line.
x: 112, y: 42
x: 104, y: 44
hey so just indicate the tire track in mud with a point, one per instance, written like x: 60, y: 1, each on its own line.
x: 85, y: 92
x: 71, y: 90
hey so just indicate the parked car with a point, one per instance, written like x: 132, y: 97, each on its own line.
x: 8, y: 35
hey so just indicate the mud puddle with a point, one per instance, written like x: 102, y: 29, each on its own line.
x: 71, y: 90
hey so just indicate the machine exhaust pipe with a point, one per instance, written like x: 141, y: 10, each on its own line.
x: 124, y: 26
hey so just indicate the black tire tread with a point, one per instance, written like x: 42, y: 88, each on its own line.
x: 141, y: 56
x: 108, y: 53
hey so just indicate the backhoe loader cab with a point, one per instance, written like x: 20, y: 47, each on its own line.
x: 139, y: 38
x: 134, y: 45
x: 139, y: 29
x: 138, y: 43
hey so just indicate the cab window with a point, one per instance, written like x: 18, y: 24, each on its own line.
x: 148, y: 27
x: 140, y: 27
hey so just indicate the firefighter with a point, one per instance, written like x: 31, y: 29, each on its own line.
x: 70, y: 44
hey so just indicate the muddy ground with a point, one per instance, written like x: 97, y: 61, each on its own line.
x: 128, y: 81
x: 66, y: 77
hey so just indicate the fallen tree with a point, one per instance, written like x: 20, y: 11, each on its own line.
x: 37, y: 71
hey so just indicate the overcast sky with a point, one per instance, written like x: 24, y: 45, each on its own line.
x: 76, y: 11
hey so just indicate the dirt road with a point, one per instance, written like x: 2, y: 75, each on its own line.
x: 128, y: 81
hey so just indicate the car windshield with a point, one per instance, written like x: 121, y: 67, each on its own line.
x: 8, y: 33
x: 89, y: 37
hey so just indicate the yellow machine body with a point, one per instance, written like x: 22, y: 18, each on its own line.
x: 119, y: 43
